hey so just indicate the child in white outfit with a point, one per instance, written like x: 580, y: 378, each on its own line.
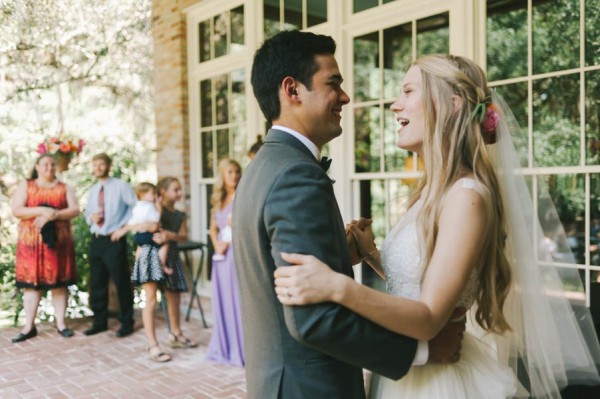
x: 147, y: 210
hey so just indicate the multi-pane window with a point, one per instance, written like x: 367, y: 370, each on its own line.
x: 282, y: 15
x: 361, y: 5
x: 386, y: 175
x: 221, y: 35
x: 222, y: 119
x: 546, y: 65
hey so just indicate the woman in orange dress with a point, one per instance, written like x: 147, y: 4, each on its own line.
x: 45, y: 250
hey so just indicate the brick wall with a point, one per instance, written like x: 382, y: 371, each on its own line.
x: 170, y: 90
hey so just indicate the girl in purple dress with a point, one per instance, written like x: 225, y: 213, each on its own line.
x: 226, y: 342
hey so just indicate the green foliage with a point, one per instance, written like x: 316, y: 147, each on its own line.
x: 556, y: 142
x: 506, y: 44
x: 83, y: 240
x: 555, y: 35
x: 11, y: 300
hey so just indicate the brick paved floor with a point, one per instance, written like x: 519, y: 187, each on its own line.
x: 104, y: 366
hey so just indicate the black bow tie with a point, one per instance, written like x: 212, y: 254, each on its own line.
x: 325, y: 163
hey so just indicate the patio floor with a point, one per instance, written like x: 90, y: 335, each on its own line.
x: 104, y: 366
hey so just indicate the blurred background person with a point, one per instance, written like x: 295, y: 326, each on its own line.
x: 146, y: 213
x: 255, y: 147
x: 226, y: 341
x: 45, y: 258
x: 108, y: 209
x: 173, y: 229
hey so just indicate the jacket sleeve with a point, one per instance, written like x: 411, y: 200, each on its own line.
x: 301, y: 215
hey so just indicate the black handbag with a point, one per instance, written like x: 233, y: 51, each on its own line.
x: 49, y: 236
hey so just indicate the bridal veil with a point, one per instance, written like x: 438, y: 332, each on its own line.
x: 552, y: 342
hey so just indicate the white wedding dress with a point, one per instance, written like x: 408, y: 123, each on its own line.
x: 478, y: 374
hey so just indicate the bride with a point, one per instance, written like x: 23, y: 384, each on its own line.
x: 466, y: 241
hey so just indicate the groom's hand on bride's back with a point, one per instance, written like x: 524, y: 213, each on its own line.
x: 445, y: 347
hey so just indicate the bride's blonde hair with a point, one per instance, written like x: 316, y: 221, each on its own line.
x: 452, y: 143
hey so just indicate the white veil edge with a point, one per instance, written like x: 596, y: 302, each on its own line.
x: 553, y: 342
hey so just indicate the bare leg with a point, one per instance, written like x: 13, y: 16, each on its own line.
x: 173, y: 302
x: 163, y: 251
x: 156, y: 354
x: 59, y: 301
x: 31, y: 300
x: 177, y: 339
x: 148, y: 313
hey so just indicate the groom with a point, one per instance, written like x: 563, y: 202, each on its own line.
x: 285, y: 203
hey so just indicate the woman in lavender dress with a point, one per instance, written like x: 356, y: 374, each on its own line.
x: 226, y: 341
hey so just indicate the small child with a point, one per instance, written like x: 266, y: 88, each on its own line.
x: 146, y: 210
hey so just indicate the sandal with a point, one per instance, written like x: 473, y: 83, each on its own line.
x: 157, y: 355
x: 181, y: 341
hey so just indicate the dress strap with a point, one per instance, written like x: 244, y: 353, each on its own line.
x: 468, y: 183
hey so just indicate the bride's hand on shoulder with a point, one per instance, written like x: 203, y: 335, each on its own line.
x: 312, y: 282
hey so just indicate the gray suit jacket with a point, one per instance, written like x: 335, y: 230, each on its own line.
x: 285, y: 203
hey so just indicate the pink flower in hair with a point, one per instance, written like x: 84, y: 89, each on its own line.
x: 489, y: 123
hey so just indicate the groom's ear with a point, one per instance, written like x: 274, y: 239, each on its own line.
x: 289, y: 87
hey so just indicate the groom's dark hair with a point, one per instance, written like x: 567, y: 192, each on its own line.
x: 288, y: 53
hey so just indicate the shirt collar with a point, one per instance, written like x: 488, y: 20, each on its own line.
x: 303, y: 139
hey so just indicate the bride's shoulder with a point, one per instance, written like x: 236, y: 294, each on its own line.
x: 464, y: 203
x: 466, y: 191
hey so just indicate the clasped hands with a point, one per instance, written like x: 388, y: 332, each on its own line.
x: 47, y: 215
x: 360, y: 238
x: 221, y: 247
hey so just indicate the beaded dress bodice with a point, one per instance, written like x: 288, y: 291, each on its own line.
x: 403, y: 251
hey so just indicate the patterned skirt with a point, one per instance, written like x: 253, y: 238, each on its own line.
x: 147, y: 268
